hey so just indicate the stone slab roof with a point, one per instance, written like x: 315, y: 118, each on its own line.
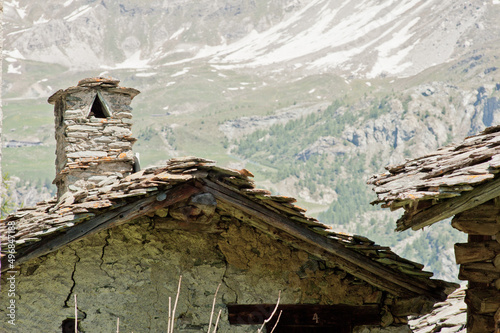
x: 449, y: 316
x: 52, y: 224
x: 446, y: 182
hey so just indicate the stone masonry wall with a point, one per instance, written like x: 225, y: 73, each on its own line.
x: 130, y: 271
x: 90, y: 149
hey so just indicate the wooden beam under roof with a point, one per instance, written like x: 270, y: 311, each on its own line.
x: 453, y: 206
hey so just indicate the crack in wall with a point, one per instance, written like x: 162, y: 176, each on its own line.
x: 106, y: 244
x: 72, y: 279
x: 224, y: 276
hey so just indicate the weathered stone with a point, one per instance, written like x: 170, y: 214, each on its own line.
x: 94, y: 120
x: 121, y: 115
x: 117, y: 131
x: 74, y: 188
x: 83, y: 135
x: 97, y: 179
x: 72, y: 114
x: 80, y: 154
x: 83, y: 128
x: 120, y: 145
x: 103, y: 139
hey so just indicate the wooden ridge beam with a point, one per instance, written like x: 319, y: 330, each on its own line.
x: 453, y: 206
x: 351, y: 261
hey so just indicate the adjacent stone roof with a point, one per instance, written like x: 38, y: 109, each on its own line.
x: 443, y: 183
x: 449, y: 316
x: 52, y: 224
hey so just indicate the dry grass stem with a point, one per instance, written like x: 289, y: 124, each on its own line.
x: 175, y: 305
x: 213, y: 308
x: 169, y: 313
x: 272, y: 314
x: 217, y: 321
x: 76, y: 316
x: 277, y: 321
x: 118, y: 325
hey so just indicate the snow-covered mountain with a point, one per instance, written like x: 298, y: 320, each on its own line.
x: 349, y: 37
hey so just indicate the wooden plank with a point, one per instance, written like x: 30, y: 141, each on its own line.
x: 305, y: 314
x: 354, y: 263
x: 479, y: 272
x: 451, y: 207
x: 476, y: 227
x: 483, y: 300
x: 101, y: 222
x: 477, y: 323
x: 486, y: 212
x: 474, y: 252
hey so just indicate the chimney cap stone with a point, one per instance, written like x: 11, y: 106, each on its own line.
x: 107, y: 83
x: 99, y: 81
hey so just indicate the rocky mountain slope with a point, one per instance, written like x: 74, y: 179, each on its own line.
x: 311, y: 96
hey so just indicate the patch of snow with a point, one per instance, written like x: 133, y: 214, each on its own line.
x: 21, y: 12
x: 67, y: 3
x: 43, y: 80
x: 312, y: 90
x: 134, y: 61
x: 391, y: 63
x: 166, y: 107
x: 10, y: 59
x: 496, y: 2
x: 244, y: 83
x: 18, y: 31
x: 12, y: 3
x: 41, y: 20
x: 177, y: 33
x: 182, y: 72
x: 77, y: 13
x: 12, y: 69
x: 221, y: 75
x: 146, y: 74
x: 340, y: 32
x: 171, y: 83
x: 369, y: 84
x: 232, y: 88
x: 210, y: 80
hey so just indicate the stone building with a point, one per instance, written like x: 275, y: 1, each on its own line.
x: 459, y: 181
x: 119, y: 239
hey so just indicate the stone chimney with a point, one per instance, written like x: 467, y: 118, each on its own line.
x: 93, y: 132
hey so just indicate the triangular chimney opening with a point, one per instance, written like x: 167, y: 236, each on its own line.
x: 99, y: 108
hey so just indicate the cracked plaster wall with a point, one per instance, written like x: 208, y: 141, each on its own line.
x: 130, y: 271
